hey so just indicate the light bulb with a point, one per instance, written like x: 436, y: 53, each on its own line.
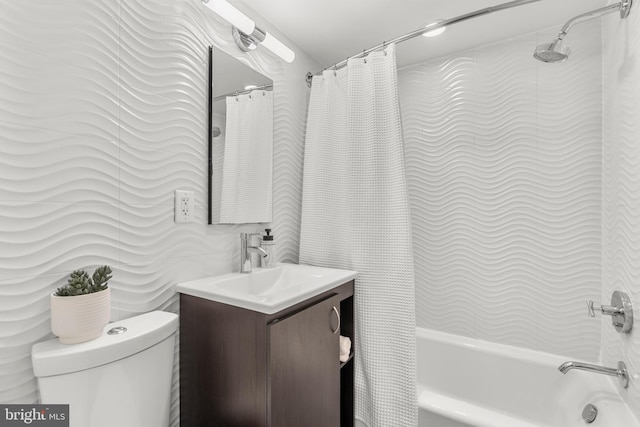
x: 245, y: 25
x: 231, y: 15
x: 276, y: 46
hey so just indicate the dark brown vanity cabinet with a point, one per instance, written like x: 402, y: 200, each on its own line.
x: 243, y: 368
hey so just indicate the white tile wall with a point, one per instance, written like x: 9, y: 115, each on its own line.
x: 503, y: 166
x: 621, y: 188
x: 103, y: 115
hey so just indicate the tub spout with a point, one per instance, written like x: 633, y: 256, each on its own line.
x: 621, y: 372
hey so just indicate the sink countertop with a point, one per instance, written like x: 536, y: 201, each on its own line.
x: 268, y: 290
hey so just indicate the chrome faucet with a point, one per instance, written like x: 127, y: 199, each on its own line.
x: 246, y: 249
x: 621, y: 372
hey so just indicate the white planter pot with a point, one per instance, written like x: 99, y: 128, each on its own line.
x: 80, y: 318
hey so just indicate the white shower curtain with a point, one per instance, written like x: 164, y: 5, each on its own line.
x: 355, y: 215
x: 248, y: 150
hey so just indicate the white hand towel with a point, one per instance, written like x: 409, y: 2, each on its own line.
x: 345, y: 348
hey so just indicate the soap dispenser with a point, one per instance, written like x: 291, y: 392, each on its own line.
x: 269, y: 246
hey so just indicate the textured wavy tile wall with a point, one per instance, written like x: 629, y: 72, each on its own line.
x: 102, y: 116
x: 621, y: 187
x: 503, y: 165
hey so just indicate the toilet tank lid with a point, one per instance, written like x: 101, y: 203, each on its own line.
x: 143, y: 331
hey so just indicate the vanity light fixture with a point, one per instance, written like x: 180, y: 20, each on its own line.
x: 436, y: 31
x: 246, y: 34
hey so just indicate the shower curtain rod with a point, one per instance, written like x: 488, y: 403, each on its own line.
x: 428, y: 28
x: 242, y: 92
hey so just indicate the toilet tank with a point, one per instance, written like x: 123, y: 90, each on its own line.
x: 121, y: 379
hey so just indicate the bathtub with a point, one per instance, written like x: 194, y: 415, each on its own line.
x: 464, y: 382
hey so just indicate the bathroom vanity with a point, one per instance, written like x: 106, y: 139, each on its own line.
x: 242, y: 367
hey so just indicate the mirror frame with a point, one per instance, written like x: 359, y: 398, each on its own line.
x: 211, y: 109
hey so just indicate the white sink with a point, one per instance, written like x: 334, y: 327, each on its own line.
x: 268, y: 290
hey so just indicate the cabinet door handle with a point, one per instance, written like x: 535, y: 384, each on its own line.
x: 335, y: 310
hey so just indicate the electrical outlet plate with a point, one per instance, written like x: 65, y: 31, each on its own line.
x: 184, y: 206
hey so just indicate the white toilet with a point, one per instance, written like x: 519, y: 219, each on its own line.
x: 122, y: 378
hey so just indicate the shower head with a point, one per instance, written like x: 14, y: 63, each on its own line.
x: 557, y: 52
x: 552, y: 52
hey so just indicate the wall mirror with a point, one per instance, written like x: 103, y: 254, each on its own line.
x: 240, y: 142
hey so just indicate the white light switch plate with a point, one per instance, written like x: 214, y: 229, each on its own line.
x: 184, y: 206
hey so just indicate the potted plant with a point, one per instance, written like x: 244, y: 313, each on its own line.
x: 81, y: 308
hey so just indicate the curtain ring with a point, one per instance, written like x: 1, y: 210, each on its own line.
x: 335, y: 70
x: 364, y: 55
x: 384, y: 47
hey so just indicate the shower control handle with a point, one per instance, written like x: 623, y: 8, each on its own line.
x: 620, y: 310
x: 604, y: 309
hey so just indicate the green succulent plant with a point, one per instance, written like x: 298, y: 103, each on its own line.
x: 80, y: 283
